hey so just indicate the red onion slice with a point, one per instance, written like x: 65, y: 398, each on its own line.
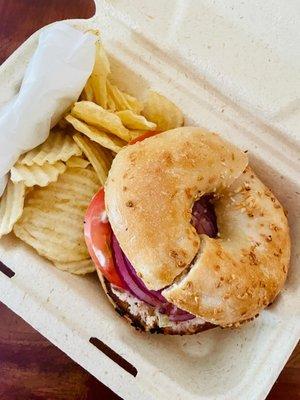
x: 205, y: 221
x: 132, y: 285
x: 136, y: 287
x: 156, y: 294
x: 204, y: 217
x: 177, y: 317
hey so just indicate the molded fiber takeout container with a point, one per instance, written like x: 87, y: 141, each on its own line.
x: 231, y: 67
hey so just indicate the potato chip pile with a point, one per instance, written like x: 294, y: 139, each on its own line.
x: 51, y: 186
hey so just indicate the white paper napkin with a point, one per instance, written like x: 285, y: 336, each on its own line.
x: 53, y: 80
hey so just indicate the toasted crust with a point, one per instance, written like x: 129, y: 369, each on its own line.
x: 140, y: 322
x: 150, y: 191
x: 240, y: 273
x: 149, y: 196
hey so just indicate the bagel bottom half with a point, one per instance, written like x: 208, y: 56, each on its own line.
x: 144, y: 318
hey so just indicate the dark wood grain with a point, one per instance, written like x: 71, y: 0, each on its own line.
x: 31, y: 368
x: 287, y: 386
x: 20, y: 18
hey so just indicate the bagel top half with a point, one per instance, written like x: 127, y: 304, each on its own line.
x: 149, y: 196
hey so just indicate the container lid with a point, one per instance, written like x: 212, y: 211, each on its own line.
x: 212, y: 59
x: 248, y: 51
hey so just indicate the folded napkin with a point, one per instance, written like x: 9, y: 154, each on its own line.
x: 54, y: 79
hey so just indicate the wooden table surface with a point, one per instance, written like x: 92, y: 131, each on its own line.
x: 31, y: 368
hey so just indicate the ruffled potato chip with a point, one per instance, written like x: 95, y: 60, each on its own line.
x: 165, y: 114
x: 52, y: 219
x: 77, y: 267
x: 95, y: 89
x: 87, y: 93
x: 77, y: 162
x: 111, y: 106
x: 36, y: 174
x: 58, y: 147
x: 119, y: 100
x: 134, y: 121
x: 97, y: 156
x: 105, y: 139
x: 97, y: 116
x: 11, y: 206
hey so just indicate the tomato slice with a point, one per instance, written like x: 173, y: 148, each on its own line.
x: 144, y: 136
x: 97, y: 233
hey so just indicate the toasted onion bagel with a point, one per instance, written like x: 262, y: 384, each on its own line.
x: 149, y: 196
x: 235, y: 276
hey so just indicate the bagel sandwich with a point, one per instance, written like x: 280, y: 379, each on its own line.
x: 185, y: 236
